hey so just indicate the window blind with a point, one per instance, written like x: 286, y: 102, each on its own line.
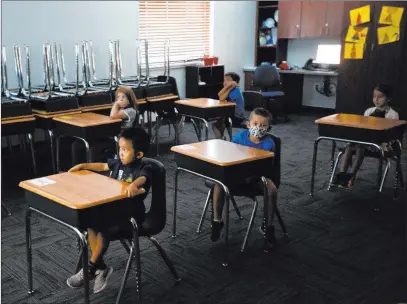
x: 186, y: 24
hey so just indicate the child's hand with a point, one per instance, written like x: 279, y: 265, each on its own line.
x: 234, y: 84
x: 133, y: 190
x: 76, y: 168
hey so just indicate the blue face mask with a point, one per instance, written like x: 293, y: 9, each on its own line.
x: 258, y: 132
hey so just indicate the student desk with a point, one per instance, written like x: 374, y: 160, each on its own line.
x: 45, y: 122
x: 87, y: 127
x: 21, y: 125
x: 74, y: 200
x: 224, y: 163
x: 205, y: 109
x: 158, y: 103
x: 357, y: 129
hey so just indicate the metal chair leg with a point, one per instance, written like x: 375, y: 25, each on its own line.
x: 3, y: 205
x: 334, y: 169
x: 249, y: 228
x: 126, y: 275
x: 281, y: 222
x: 125, y: 245
x: 386, y: 170
x: 30, y: 139
x: 379, y: 172
x: 197, y: 131
x: 208, y: 199
x: 165, y: 258
x: 236, y: 208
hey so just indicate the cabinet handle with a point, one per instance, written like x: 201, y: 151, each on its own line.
x: 298, y: 30
x: 372, y: 47
x: 327, y: 29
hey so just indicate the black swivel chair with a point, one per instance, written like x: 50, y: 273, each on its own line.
x: 252, y: 194
x: 153, y: 224
x: 270, y: 97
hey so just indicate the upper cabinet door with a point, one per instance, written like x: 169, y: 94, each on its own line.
x: 313, y: 18
x: 334, y: 19
x: 289, y: 19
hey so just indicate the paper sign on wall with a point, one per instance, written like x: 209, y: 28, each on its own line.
x: 388, y: 34
x: 353, y: 50
x: 356, y: 34
x: 360, y: 15
x: 391, y: 15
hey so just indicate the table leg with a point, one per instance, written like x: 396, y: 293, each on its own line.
x: 314, y: 162
x: 265, y: 213
x: 29, y: 250
x: 206, y: 129
x: 51, y: 142
x: 85, y: 262
x: 333, y: 154
x: 174, y: 220
x: 227, y: 200
x: 197, y: 130
x: 30, y: 139
x: 379, y: 172
x: 230, y: 128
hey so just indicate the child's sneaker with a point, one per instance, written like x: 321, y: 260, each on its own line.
x: 270, y: 235
x: 76, y: 281
x: 216, y: 230
x: 339, y: 179
x: 101, y: 279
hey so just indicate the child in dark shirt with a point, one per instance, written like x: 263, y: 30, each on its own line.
x: 131, y: 169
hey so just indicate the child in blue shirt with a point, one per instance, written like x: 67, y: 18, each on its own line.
x: 230, y: 92
x: 255, y: 137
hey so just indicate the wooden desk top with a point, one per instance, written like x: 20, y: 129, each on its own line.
x: 77, y: 190
x: 87, y: 120
x: 18, y: 119
x: 222, y: 153
x: 360, y: 121
x: 205, y: 103
x: 50, y: 115
x: 161, y: 98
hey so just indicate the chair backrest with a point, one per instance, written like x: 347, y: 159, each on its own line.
x: 155, y: 218
x: 266, y: 76
x: 276, y: 171
x: 252, y: 100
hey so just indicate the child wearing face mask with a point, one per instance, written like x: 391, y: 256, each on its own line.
x: 125, y: 107
x: 381, y: 97
x: 255, y: 136
x: 131, y: 169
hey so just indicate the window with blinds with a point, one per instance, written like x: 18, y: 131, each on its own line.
x: 186, y: 24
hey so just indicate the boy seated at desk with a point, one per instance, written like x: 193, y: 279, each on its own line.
x: 230, y: 92
x: 256, y: 137
x: 131, y: 169
x: 381, y: 97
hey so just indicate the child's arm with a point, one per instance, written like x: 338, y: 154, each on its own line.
x: 135, y: 188
x: 224, y: 93
x: 90, y: 166
x: 116, y: 112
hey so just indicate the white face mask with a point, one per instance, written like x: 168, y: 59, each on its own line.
x: 257, y: 132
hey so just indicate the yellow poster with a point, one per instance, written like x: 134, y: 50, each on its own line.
x: 391, y: 15
x: 353, y: 51
x: 388, y: 34
x: 356, y: 34
x: 360, y: 15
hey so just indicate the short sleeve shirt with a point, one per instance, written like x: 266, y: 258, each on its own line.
x: 389, y: 113
x: 242, y: 138
x: 236, y: 96
x: 129, y: 121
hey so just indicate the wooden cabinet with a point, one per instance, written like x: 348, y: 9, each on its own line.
x: 310, y: 19
x: 203, y: 81
x: 334, y: 19
x: 289, y: 19
x: 380, y: 64
x: 313, y: 17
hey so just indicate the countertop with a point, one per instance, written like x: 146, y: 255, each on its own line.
x: 298, y: 71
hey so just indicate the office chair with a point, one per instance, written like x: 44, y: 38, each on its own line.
x: 270, y: 97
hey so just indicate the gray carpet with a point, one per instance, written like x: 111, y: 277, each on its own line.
x: 341, y: 250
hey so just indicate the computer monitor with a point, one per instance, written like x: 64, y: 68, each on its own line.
x: 328, y: 54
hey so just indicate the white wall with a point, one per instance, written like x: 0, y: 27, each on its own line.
x: 233, y: 34
x: 300, y: 50
x: 69, y: 22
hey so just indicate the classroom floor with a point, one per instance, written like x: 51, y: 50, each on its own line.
x: 341, y: 250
